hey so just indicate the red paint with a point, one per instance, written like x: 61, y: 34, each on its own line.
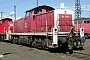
x: 65, y: 21
x: 5, y: 25
x: 39, y: 22
x: 44, y: 18
x: 19, y: 25
x: 82, y: 25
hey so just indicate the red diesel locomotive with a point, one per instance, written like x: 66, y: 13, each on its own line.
x: 44, y: 27
x: 5, y: 25
x: 83, y: 23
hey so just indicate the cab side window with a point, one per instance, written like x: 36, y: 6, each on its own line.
x: 28, y: 14
x: 47, y: 9
x: 38, y: 11
x: 3, y: 20
x: 75, y: 22
x: 9, y: 20
x: 86, y: 22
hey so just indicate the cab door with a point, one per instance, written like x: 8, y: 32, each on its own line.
x: 33, y: 24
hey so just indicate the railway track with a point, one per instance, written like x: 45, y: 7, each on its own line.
x: 80, y: 55
x: 76, y: 54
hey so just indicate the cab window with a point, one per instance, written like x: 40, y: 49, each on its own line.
x: 3, y: 20
x: 47, y: 9
x: 38, y: 11
x: 9, y: 20
x: 86, y: 22
x: 28, y: 14
x: 75, y: 22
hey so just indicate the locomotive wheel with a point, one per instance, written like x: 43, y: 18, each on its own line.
x: 44, y: 44
x: 81, y: 48
x: 19, y: 42
x: 14, y: 41
x: 34, y: 44
x: 28, y: 41
x: 1, y: 38
x: 70, y: 51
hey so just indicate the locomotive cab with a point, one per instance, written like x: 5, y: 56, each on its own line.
x: 6, y: 20
x: 7, y: 24
x: 33, y: 17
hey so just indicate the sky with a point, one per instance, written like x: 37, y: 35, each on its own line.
x: 7, y: 6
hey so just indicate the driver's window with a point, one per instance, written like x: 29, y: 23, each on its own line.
x: 3, y: 20
x: 27, y: 14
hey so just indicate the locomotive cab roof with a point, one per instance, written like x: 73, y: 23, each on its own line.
x: 4, y: 19
x: 83, y: 19
x: 43, y: 6
x: 40, y: 9
x: 7, y: 19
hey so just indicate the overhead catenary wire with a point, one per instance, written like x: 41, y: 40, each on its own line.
x: 14, y: 4
x: 9, y: 6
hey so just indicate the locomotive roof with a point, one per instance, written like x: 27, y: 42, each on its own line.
x: 83, y: 19
x: 40, y: 7
x: 7, y: 18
